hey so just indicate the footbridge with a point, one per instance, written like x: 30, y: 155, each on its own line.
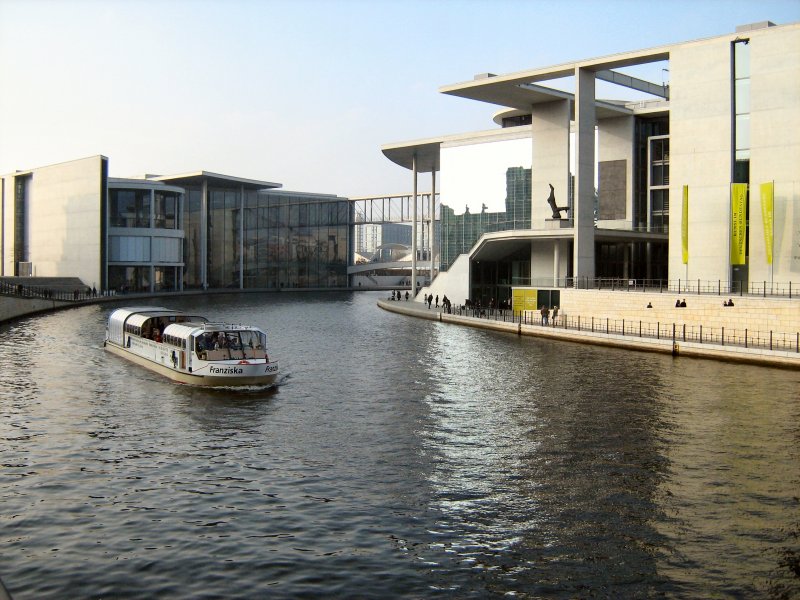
x: 393, y: 235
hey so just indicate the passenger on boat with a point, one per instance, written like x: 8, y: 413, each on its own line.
x: 232, y: 341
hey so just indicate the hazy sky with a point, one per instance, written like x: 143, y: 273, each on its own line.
x: 299, y: 92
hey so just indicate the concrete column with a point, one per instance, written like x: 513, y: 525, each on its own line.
x: 626, y: 269
x: 432, y: 229
x: 152, y: 226
x: 414, y: 231
x: 204, y: 235
x: 241, y: 237
x: 556, y: 261
x: 584, y: 176
x: 550, y: 158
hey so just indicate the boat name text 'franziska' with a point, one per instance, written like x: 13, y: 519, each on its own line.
x: 226, y: 370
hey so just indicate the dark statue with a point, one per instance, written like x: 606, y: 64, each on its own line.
x: 551, y: 200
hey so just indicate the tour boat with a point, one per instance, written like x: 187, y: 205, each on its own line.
x: 189, y: 348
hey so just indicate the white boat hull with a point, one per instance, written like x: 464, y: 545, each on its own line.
x: 202, y: 373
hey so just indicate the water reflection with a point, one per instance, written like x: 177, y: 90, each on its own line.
x: 548, y: 475
x: 399, y: 458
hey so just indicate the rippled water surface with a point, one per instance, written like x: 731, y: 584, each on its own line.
x: 398, y: 458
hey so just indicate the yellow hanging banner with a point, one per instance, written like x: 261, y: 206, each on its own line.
x: 738, y: 223
x: 685, y: 226
x: 767, y: 208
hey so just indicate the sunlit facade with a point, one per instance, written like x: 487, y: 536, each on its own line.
x: 197, y: 230
x: 689, y: 173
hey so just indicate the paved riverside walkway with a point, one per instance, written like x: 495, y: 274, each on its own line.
x: 566, y: 330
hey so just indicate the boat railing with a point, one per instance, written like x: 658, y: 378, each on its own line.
x: 210, y: 327
x: 231, y: 354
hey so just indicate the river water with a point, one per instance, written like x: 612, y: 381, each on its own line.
x: 398, y: 458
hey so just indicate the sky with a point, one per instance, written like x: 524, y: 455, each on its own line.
x: 301, y: 92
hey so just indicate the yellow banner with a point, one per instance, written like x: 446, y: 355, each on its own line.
x: 517, y: 300
x: 767, y: 208
x: 530, y: 299
x: 685, y: 226
x: 738, y: 223
x: 523, y: 299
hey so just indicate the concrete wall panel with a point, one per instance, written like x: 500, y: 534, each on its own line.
x: 550, y: 162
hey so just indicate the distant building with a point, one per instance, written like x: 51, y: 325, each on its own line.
x: 169, y: 232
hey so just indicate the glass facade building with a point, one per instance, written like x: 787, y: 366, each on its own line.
x: 145, y: 237
x: 461, y: 232
x: 250, y: 236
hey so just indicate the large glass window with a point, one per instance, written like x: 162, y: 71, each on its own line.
x: 285, y: 247
x: 129, y: 208
x: 741, y: 154
x: 165, y: 210
x: 658, y: 184
x: 192, y: 239
x: 741, y: 100
x: 129, y: 279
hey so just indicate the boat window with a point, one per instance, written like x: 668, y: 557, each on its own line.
x: 252, y: 339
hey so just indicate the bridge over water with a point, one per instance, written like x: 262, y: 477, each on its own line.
x: 385, y: 256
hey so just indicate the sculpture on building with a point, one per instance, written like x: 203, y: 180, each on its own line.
x: 551, y: 200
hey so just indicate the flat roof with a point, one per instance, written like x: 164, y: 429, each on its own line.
x: 215, y: 179
x: 519, y: 89
x: 427, y: 150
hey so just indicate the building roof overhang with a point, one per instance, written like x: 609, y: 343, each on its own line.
x: 521, y: 90
x: 498, y: 245
x: 215, y: 180
x: 427, y: 150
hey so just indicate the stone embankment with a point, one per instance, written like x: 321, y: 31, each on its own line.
x: 622, y: 320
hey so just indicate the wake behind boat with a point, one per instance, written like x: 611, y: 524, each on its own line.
x: 190, y: 349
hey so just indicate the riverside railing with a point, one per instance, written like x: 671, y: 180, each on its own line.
x: 678, y: 286
x: 675, y: 332
x: 31, y: 291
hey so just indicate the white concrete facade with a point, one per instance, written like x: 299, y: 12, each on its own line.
x: 699, y: 113
x: 701, y: 133
x: 63, y: 220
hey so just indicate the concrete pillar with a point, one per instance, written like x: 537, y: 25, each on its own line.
x: 556, y: 261
x: 241, y: 237
x: 549, y: 157
x: 626, y: 269
x: 204, y: 235
x: 584, y: 176
x: 414, y: 231
x: 432, y: 229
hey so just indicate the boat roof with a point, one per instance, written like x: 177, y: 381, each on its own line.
x: 130, y: 310
x: 138, y: 315
x: 190, y: 325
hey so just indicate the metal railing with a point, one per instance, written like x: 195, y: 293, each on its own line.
x: 719, y: 287
x: 676, y: 332
x: 32, y: 291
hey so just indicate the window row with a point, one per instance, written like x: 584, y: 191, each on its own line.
x: 143, y: 209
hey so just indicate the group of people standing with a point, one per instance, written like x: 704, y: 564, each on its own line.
x: 545, y: 312
x: 446, y: 304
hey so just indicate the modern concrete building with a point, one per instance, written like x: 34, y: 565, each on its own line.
x: 169, y: 232
x: 693, y: 177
